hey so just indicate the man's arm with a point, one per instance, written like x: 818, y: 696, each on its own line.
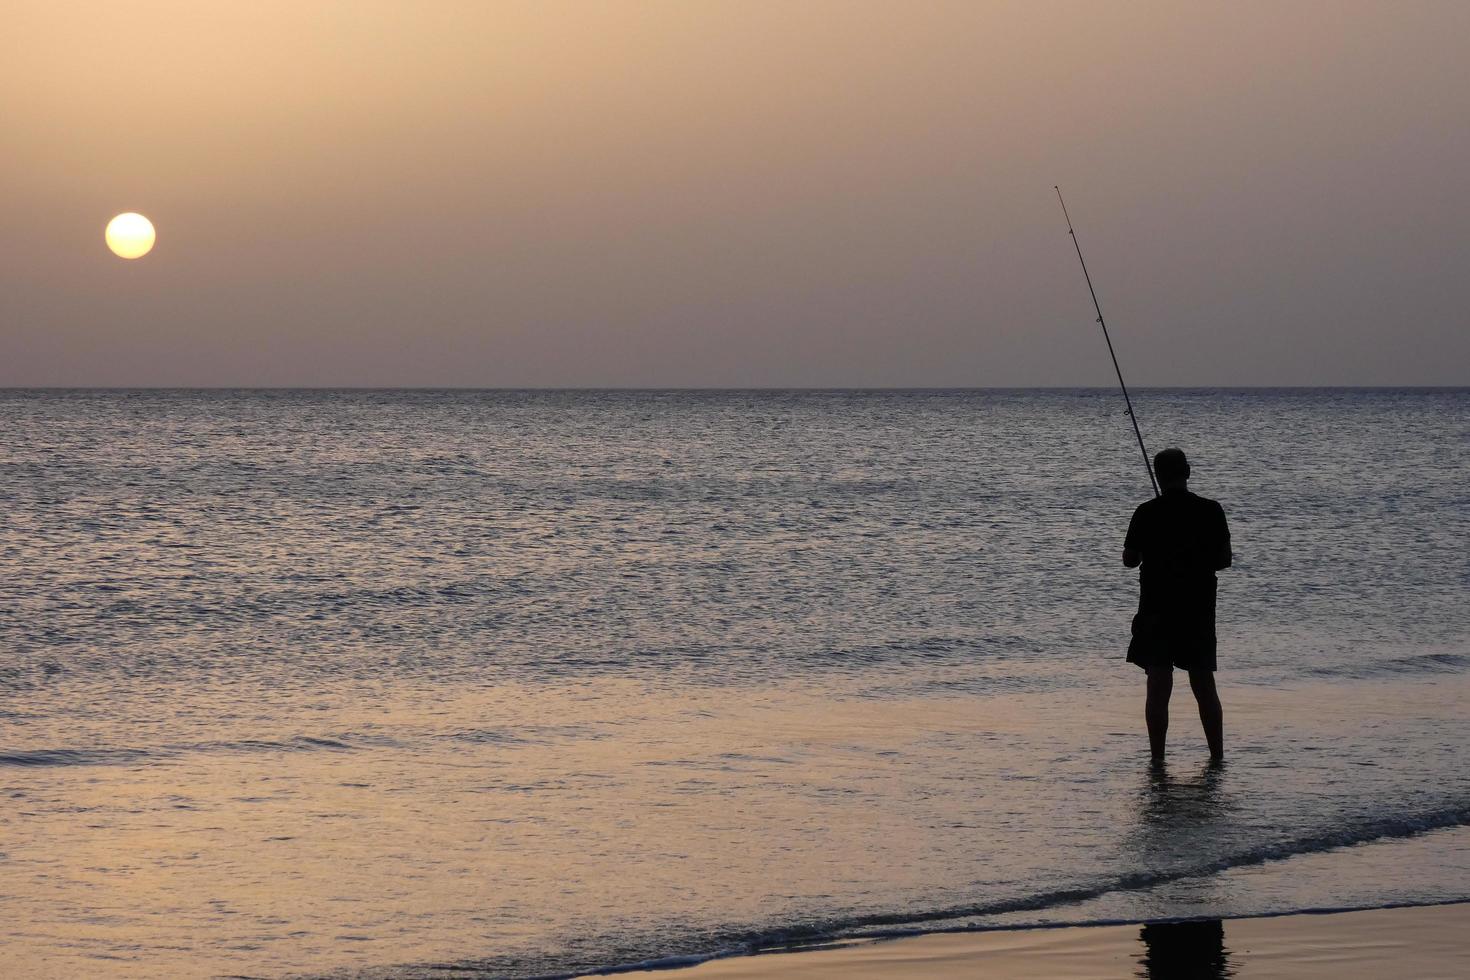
x: 1224, y: 557
x: 1132, y: 553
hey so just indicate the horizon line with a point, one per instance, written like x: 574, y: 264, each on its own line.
x: 732, y: 388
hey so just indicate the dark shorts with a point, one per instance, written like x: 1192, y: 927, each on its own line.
x: 1161, y: 642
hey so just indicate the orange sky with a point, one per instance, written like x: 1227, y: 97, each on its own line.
x: 741, y: 193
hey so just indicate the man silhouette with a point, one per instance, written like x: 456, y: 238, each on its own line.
x: 1181, y: 540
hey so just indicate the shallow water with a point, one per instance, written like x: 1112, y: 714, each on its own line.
x: 526, y: 683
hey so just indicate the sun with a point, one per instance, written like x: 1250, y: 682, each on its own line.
x: 130, y: 235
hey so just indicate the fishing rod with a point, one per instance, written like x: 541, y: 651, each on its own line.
x: 1128, y: 401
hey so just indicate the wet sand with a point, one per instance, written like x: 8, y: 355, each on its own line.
x: 1420, y: 943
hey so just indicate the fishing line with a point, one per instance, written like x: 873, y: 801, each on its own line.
x: 1134, y: 418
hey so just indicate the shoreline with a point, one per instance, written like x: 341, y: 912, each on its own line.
x: 1420, y: 941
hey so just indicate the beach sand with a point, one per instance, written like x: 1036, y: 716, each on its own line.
x: 1418, y: 943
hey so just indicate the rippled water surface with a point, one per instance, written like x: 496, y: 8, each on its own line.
x: 522, y: 683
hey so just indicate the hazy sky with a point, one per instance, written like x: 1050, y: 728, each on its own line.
x: 735, y: 193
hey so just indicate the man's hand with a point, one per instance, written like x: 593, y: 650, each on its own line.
x: 1131, y: 557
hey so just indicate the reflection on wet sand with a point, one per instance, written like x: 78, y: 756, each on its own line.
x: 1176, y: 816
x: 1172, y: 950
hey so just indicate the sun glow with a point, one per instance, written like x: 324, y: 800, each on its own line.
x: 130, y: 235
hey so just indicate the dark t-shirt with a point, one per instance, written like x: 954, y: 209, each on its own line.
x: 1182, y: 537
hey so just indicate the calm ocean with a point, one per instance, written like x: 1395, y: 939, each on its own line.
x: 453, y: 683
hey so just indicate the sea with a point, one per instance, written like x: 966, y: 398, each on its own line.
x: 466, y: 684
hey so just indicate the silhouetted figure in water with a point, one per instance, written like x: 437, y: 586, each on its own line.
x: 1182, y: 540
x: 1176, y: 950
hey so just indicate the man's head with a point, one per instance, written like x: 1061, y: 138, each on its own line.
x: 1171, y: 468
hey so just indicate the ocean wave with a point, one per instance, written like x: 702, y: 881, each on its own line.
x: 708, y: 945
x: 36, y: 758
x: 121, y: 755
x: 1423, y: 663
x: 1363, y: 831
x: 695, y: 959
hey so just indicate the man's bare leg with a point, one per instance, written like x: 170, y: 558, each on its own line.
x: 1156, y: 708
x: 1211, y: 715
